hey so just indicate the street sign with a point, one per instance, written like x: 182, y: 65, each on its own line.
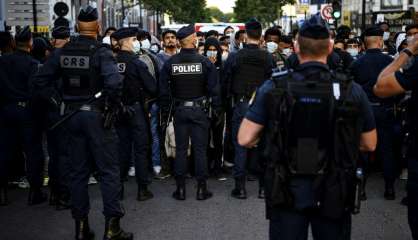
x: 302, y: 9
x: 326, y: 11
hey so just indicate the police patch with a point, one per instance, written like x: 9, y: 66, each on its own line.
x: 186, y: 68
x: 121, y: 67
x: 78, y: 62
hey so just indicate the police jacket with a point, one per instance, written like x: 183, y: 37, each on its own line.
x: 242, y: 70
x: 367, y: 68
x: 83, y: 74
x: 189, y: 76
x: 138, y: 83
x: 15, y: 73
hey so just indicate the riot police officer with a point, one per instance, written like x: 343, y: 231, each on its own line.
x: 398, y: 77
x: 190, y: 79
x: 89, y: 73
x: 245, y: 70
x: 17, y: 118
x: 306, y: 183
x: 133, y: 125
x: 59, y: 168
x: 365, y: 71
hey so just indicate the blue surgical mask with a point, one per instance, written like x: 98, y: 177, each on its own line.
x: 272, y: 47
x: 352, y: 51
x: 211, y: 53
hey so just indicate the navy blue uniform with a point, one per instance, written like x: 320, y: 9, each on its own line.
x: 365, y: 70
x: 17, y: 124
x: 241, y: 104
x: 408, y: 80
x: 133, y: 131
x: 190, y: 79
x: 88, y: 138
x: 293, y: 223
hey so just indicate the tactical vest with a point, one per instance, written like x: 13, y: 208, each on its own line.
x: 188, y: 79
x: 250, y: 71
x: 133, y: 87
x: 80, y: 78
x: 313, y: 131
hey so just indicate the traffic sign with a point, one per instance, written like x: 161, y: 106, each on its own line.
x: 326, y: 12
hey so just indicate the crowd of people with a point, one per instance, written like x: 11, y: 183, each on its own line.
x: 83, y: 108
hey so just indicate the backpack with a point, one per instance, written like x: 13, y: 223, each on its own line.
x: 313, y: 130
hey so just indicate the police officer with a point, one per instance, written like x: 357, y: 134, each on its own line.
x: 365, y: 71
x: 299, y: 192
x: 190, y: 79
x: 17, y: 122
x: 245, y: 70
x: 59, y: 168
x: 60, y: 36
x: 133, y: 125
x: 89, y: 73
x: 395, y: 79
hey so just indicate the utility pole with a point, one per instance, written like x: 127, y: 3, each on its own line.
x: 363, y: 15
x: 35, y: 17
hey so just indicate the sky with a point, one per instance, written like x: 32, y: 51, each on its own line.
x: 224, y: 5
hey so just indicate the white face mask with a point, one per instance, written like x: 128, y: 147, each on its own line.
x: 145, y: 44
x: 106, y: 40
x: 352, y: 51
x: 136, y: 46
x: 211, y: 53
x: 287, y: 51
x: 224, y: 56
x: 241, y: 45
x: 272, y: 47
x: 230, y: 35
x: 386, y: 36
x: 154, y: 48
x: 409, y: 39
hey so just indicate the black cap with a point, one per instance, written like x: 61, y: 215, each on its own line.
x: 252, y: 24
x: 23, y: 35
x: 125, y: 33
x: 374, y: 31
x: 61, y: 32
x: 410, y: 26
x: 314, y: 28
x: 87, y: 14
x: 185, y: 31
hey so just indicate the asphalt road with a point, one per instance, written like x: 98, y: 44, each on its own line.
x: 218, y: 218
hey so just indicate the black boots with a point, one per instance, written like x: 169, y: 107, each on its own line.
x: 36, y: 196
x: 82, y: 230
x: 239, y: 191
x: 143, y: 193
x: 202, y: 191
x: 389, y: 192
x: 113, y: 231
x: 180, y: 193
x: 3, y: 196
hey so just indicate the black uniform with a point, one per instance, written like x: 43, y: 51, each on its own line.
x: 17, y: 122
x: 191, y: 80
x: 86, y: 68
x: 133, y: 126
x: 245, y: 71
x: 365, y: 70
x: 408, y: 80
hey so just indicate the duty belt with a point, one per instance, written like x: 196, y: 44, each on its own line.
x: 83, y: 107
x: 196, y: 103
x: 22, y: 104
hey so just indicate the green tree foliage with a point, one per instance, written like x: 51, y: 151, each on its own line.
x: 217, y: 15
x: 266, y: 11
x: 182, y: 11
